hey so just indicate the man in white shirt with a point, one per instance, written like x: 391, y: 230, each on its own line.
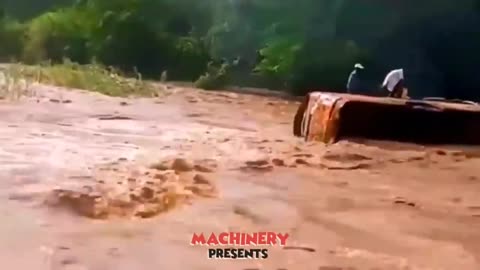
x: 394, y: 83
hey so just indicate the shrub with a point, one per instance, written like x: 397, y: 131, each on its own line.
x: 12, y: 84
x: 92, y: 77
x: 11, y: 36
x: 57, y: 35
x: 190, y: 59
x: 125, y: 41
x: 215, y: 78
x: 277, y: 60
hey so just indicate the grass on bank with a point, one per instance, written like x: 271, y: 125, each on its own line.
x: 91, y: 77
x: 12, y: 85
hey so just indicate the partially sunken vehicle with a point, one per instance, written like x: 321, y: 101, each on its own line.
x: 330, y: 117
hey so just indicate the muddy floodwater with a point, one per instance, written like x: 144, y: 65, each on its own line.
x: 231, y: 164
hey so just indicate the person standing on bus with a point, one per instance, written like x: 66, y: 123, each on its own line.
x: 355, y: 80
x: 394, y: 84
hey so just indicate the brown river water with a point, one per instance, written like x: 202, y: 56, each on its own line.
x: 351, y: 205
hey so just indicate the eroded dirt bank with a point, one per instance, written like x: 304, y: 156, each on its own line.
x: 354, y: 205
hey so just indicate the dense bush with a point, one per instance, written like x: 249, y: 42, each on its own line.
x: 57, y: 35
x: 189, y: 59
x: 215, y: 78
x: 11, y: 38
x: 289, y: 44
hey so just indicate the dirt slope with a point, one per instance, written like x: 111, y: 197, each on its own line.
x: 358, y: 205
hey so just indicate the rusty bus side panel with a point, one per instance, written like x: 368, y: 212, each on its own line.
x: 313, y: 116
x: 329, y: 117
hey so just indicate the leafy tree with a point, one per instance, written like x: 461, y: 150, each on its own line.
x: 299, y: 45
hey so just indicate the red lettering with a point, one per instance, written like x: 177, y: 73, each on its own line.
x: 198, y: 239
x: 251, y: 239
x: 271, y: 238
x: 238, y: 239
x: 262, y: 238
x: 212, y: 240
x: 223, y: 238
x: 283, y: 238
x: 235, y: 238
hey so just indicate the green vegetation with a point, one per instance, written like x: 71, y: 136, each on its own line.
x: 13, y: 85
x: 295, y: 45
x: 92, y: 77
x: 216, y: 77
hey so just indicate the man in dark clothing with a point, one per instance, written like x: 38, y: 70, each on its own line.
x: 355, y: 82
